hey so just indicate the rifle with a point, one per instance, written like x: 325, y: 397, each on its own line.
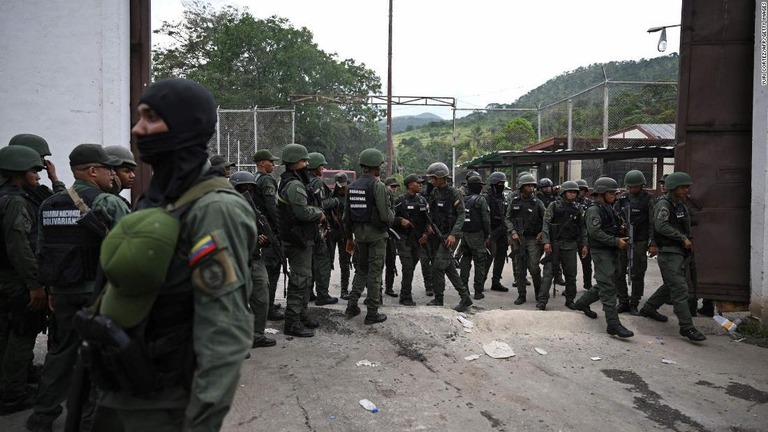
x: 440, y: 236
x: 630, y: 243
x: 79, y: 390
x: 264, y: 227
x: 554, y: 257
x: 521, y: 247
x: 690, y: 261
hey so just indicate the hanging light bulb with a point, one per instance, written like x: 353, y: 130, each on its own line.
x: 663, y: 40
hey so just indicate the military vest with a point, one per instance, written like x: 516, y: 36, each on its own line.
x: 292, y: 231
x: 442, y: 206
x: 546, y: 199
x: 609, y: 224
x: 638, y: 214
x: 473, y: 218
x: 678, y: 218
x: 568, y: 216
x: 5, y: 195
x: 362, y: 203
x: 498, y: 207
x: 526, y: 215
x: 70, y: 253
x: 414, y: 208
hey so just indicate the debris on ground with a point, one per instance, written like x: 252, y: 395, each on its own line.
x: 367, y: 363
x: 498, y: 350
x: 472, y: 357
x: 540, y: 351
x: 667, y: 361
x: 370, y: 406
x: 271, y: 331
x: 466, y: 323
x: 595, y: 358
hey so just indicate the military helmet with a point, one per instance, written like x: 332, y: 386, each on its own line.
x: 371, y: 158
x: 663, y: 178
x: 475, y: 180
x: 497, y: 177
x: 526, y: 179
x: 293, y: 153
x: 634, y: 178
x: 19, y: 158
x: 438, y: 169
x: 677, y: 179
x: 316, y: 160
x: 582, y: 184
x: 412, y: 178
x: 471, y: 174
x: 605, y: 184
x: 341, y: 178
x: 32, y: 141
x: 242, y: 177
x: 123, y: 153
x: 569, y: 186
x: 545, y: 182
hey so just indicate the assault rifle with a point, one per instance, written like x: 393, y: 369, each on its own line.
x: 264, y: 228
x: 631, y: 242
x: 554, y: 257
x: 439, y: 234
x: 521, y: 247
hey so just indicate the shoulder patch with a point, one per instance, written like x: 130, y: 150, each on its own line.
x: 663, y: 214
x: 204, y: 247
x: 595, y: 221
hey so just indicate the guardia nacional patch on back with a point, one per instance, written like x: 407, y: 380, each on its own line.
x: 663, y: 214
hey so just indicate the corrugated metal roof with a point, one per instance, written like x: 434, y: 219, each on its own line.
x: 659, y: 130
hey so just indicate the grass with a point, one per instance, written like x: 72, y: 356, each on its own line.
x: 754, y: 333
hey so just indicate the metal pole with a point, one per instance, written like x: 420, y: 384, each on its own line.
x: 218, y: 131
x: 453, y: 150
x: 238, y: 155
x: 255, y: 130
x: 570, y: 129
x: 390, y: 150
x: 605, y: 114
x: 538, y: 119
x: 293, y: 124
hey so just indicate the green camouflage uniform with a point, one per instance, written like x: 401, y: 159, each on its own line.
x: 265, y: 198
x: 641, y: 210
x: 447, y: 210
x: 525, y: 217
x: 321, y: 257
x: 473, y: 246
x: 571, y: 238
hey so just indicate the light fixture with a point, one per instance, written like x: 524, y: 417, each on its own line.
x: 662, y: 46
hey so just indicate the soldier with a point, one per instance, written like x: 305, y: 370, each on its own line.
x: 498, y: 246
x: 605, y: 243
x: 125, y: 174
x: 298, y: 227
x: 563, y: 228
x: 585, y: 202
x: 71, y: 284
x: 672, y: 225
x: 662, y: 190
x: 545, y: 194
x: 367, y: 215
x: 337, y: 238
x: 639, y: 205
x: 203, y: 295
x: 391, y: 254
x: 427, y: 260
x: 321, y: 258
x: 22, y: 297
x: 446, y: 207
x: 476, y: 233
x: 38, y: 144
x: 245, y: 183
x: 411, y: 223
x: 524, y: 222
x: 265, y: 198
x: 463, y: 186
x: 221, y: 164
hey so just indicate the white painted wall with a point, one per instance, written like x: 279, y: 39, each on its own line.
x: 64, y: 74
x: 759, y: 218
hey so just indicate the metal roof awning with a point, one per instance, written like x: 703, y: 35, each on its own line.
x: 507, y: 158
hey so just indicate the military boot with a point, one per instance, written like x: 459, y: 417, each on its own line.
x: 520, y: 299
x: 275, y: 314
x: 464, y: 305
x: 619, y: 330
x: 652, y: 314
x: 374, y: 318
x: 344, y: 293
x: 540, y: 305
x: 707, y: 308
x: 297, y: 329
x: 586, y: 309
x: 352, y: 310
x: 390, y: 292
x: 693, y: 335
x: 622, y: 308
x: 437, y: 301
x: 326, y: 300
x: 429, y: 293
x: 309, y: 322
x: 499, y: 287
x: 263, y: 342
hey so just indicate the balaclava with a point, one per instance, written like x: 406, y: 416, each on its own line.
x: 178, y: 155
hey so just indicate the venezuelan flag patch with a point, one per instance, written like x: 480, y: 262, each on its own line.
x: 202, y: 248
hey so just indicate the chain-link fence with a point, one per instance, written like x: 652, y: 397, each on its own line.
x: 241, y: 133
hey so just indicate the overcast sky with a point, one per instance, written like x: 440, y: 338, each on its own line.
x: 479, y: 51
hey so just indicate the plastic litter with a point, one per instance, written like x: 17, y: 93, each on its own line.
x: 498, y: 350
x: 271, y: 331
x: 466, y: 323
x: 728, y: 325
x: 370, y: 406
x: 472, y: 357
x: 667, y: 361
x: 540, y: 351
x: 595, y: 358
x: 367, y: 363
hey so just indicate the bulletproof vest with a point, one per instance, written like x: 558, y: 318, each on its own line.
x: 609, y: 223
x: 414, y: 208
x: 70, y: 253
x: 546, y: 199
x: 498, y: 207
x: 568, y: 216
x: 292, y: 231
x: 443, y: 209
x: 473, y: 218
x: 638, y: 214
x: 678, y: 218
x: 525, y: 215
x: 5, y: 195
x: 362, y: 203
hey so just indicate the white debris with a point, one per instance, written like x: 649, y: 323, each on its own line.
x: 367, y: 363
x: 472, y: 357
x: 540, y: 351
x: 498, y: 350
x: 466, y: 323
x: 595, y: 358
x: 466, y: 330
x: 271, y: 331
x: 667, y: 361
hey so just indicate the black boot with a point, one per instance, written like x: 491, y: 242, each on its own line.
x: 373, y: 319
x: 352, y: 310
x: 437, y: 301
x: 298, y: 330
x: 541, y: 305
x: 275, y: 314
x: 586, y: 309
x: 693, y: 335
x: 326, y: 300
x: 464, y: 305
x: 390, y: 292
x: 309, y: 322
x: 707, y: 308
x: 263, y: 342
x: 429, y: 293
x: 407, y: 302
x: 570, y: 304
x: 619, y: 330
x: 654, y: 315
x: 479, y: 295
x: 344, y: 293
x: 499, y: 287
x: 623, y: 308
x: 520, y: 299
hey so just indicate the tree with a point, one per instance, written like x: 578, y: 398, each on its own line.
x: 248, y: 62
x: 517, y: 133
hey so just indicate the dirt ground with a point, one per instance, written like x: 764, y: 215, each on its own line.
x: 420, y: 379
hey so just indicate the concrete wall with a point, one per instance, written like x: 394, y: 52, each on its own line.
x: 759, y: 218
x: 65, y: 74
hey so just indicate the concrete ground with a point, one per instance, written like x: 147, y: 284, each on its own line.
x: 421, y: 380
